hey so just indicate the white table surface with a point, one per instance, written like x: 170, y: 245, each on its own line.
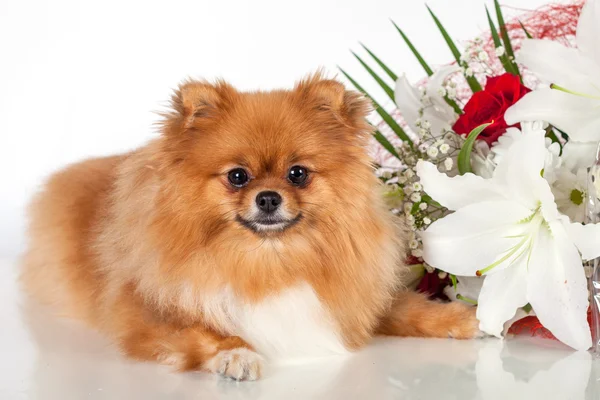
x: 42, y: 357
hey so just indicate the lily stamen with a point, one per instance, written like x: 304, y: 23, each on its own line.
x: 562, y: 89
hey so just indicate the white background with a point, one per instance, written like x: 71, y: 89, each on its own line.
x: 81, y: 79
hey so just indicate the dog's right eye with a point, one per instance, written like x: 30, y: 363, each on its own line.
x: 238, y: 177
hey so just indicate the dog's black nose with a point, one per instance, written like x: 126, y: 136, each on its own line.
x: 268, y: 201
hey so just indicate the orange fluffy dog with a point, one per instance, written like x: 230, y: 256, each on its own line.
x: 252, y: 229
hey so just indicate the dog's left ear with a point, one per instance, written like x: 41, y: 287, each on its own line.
x: 195, y: 102
x: 349, y: 107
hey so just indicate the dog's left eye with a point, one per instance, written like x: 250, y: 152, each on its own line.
x: 297, y: 175
x: 238, y: 177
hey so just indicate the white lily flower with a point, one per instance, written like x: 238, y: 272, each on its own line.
x: 574, y: 103
x: 434, y: 110
x: 508, y: 228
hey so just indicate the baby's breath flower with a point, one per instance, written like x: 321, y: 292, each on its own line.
x: 417, y: 253
x: 483, y: 56
x: 451, y: 92
x: 417, y: 187
x: 410, y: 219
x: 423, y: 132
x: 413, y: 244
x: 442, y: 92
x: 426, y: 124
x: 442, y: 275
x: 416, y: 197
x: 409, y: 173
x: 500, y: 51
x: 444, y: 147
x: 469, y: 72
x: 423, y: 147
x: 407, y: 207
x: 448, y: 163
x: 432, y: 152
x: 423, y: 206
x: 408, y: 190
x: 402, y: 180
x: 386, y: 174
x: 426, y: 220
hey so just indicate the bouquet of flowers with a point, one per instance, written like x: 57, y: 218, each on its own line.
x: 488, y: 160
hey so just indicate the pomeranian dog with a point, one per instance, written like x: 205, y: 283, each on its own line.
x: 251, y: 230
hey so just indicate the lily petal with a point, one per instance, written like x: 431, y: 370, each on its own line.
x: 578, y: 116
x: 587, y: 30
x: 520, y: 168
x: 586, y: 238
x: 569, y: 67
x: 437, y: 79
x: 502, y: 294
x: 473, y: 237
x: 556, y: 286
x: 458, y: 191
x: 579, y: 154
x: 408, y: 101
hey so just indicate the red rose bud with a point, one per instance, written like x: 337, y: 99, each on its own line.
x: 489, y: 105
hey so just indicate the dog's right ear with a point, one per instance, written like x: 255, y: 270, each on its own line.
x: 195, y: 101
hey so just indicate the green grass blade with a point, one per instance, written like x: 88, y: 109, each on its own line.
x: 503, y: 31
x: 412, y: 48
x: 386, y: 88
x: 506, y: 63
x: 384, y: 67
x: 447, y: 37
x: 471, y: 80
x: 386, y: 144
x: 382, y: 113
x: 464, y: 156
x: 525, y: 30
x: 495, y: 36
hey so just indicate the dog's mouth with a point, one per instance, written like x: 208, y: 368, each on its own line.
x: 265, y: 225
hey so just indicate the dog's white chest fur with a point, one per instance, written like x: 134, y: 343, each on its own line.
x: 290, y: 325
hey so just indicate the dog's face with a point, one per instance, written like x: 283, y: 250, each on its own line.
x: 267, y: 165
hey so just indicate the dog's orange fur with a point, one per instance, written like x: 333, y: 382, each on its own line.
x: 131, y: 243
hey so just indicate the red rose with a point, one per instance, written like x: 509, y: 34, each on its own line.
x: 489, y: 105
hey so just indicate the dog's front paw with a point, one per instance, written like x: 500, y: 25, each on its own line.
x: 465, y: 323
x: 241, y: 364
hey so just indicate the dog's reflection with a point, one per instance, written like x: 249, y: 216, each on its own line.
x: 74, y: 362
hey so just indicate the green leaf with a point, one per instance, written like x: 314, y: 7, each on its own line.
x: 386, y: 88
x: 471, y: 80
x: 384, y: 67
x: 525, y: 30
x: 426, y: 67
x: 503, y: 31
x: 386, y: 144
x: 506, y: 62
x: 495, y: 36
x: 382, y: 113
x: 412, y: 48
x: 527, y: 308
x: 464, y: 156
x: 563, y: 134
x: 454, y: 281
